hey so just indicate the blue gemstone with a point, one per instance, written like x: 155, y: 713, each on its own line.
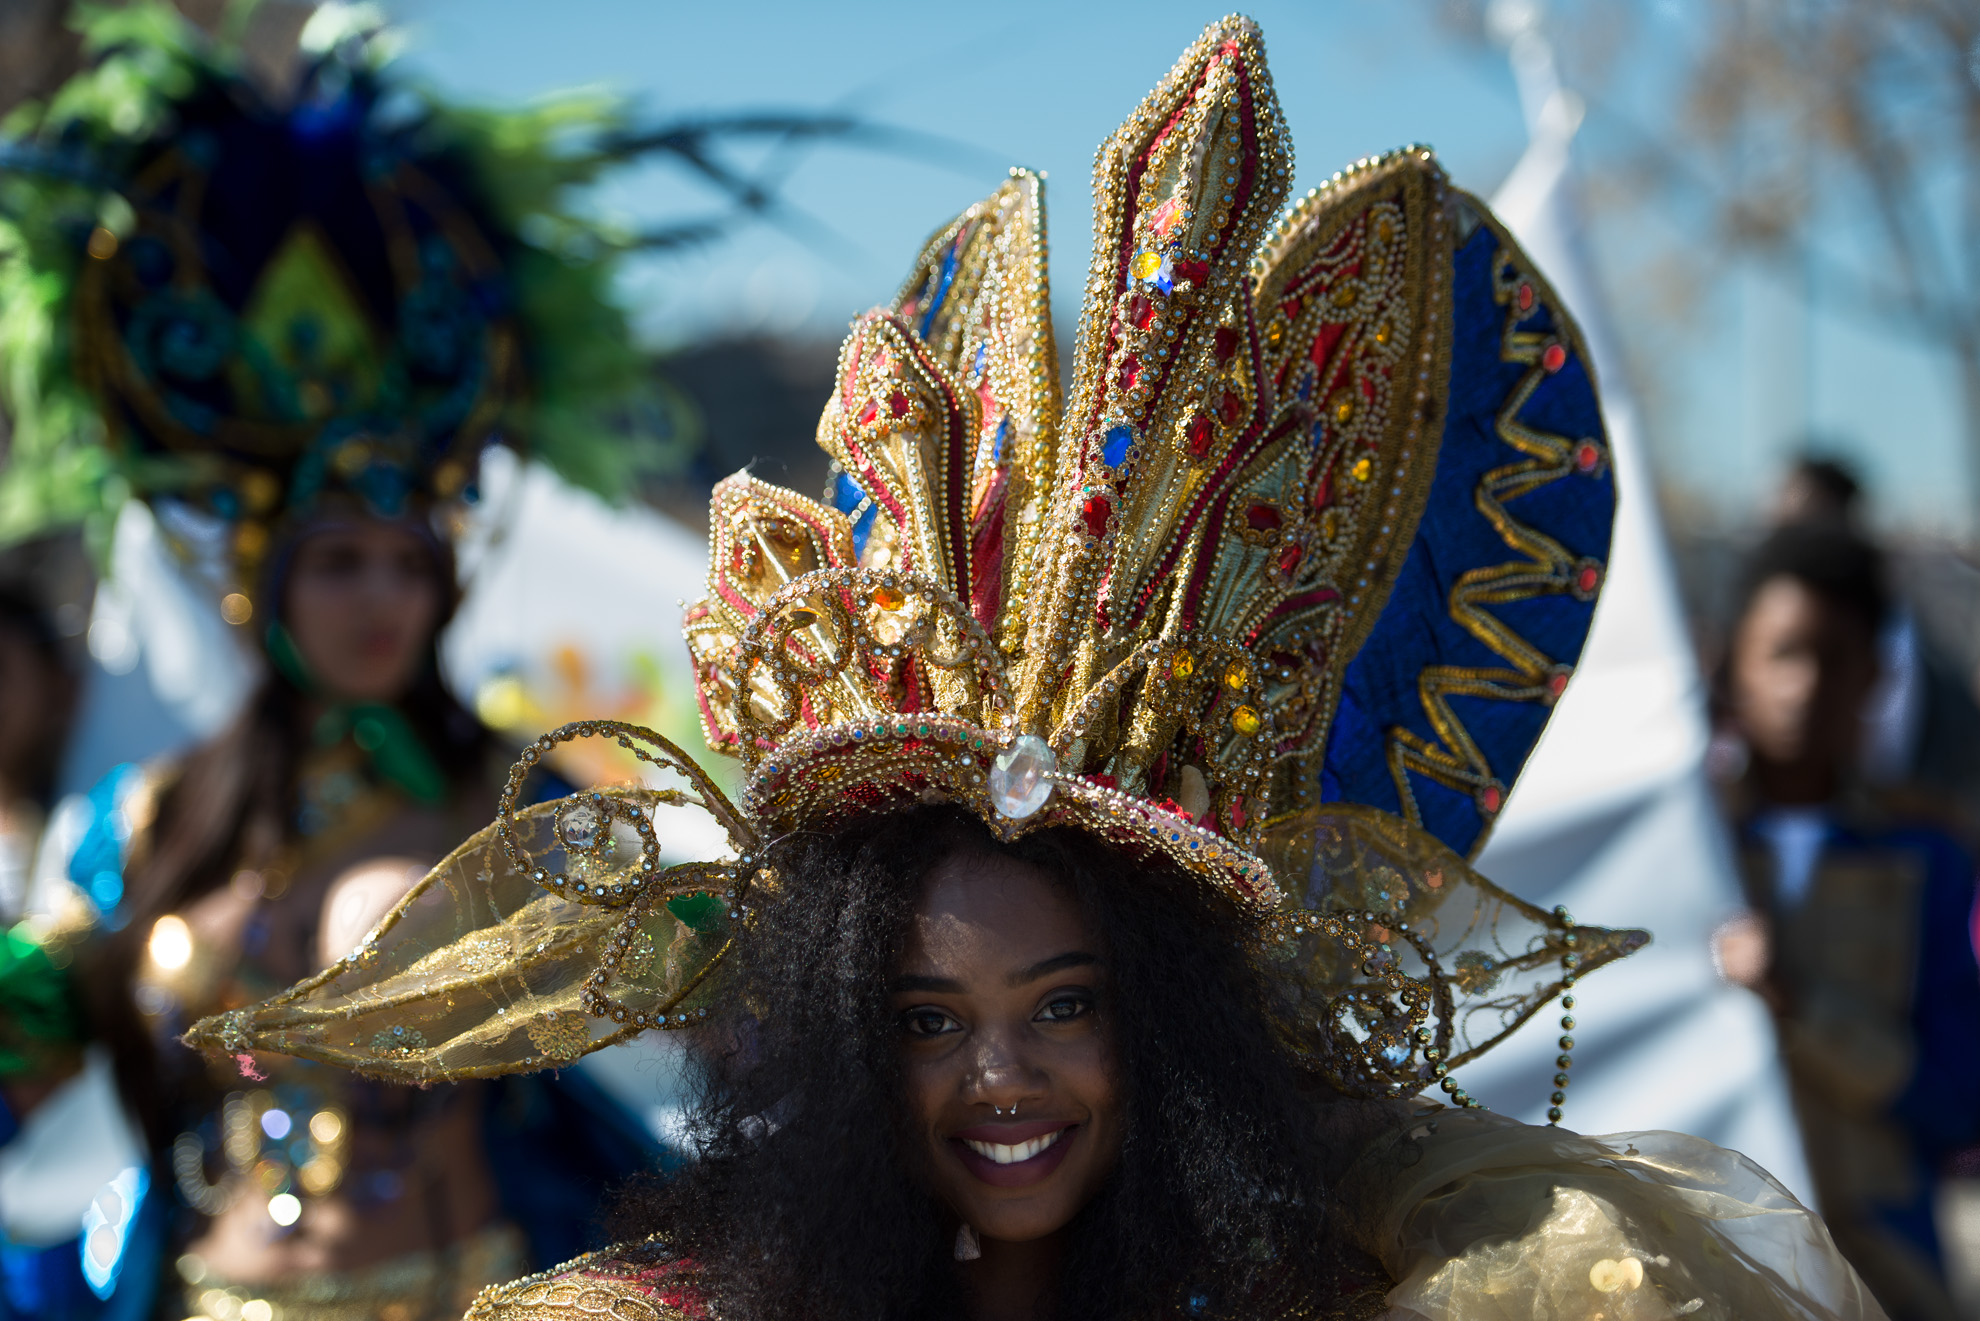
x: 847, y: 496
x: 941, y: 293
x: 1119, y: 440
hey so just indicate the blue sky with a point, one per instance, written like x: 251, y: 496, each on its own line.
x: 1040, y: 84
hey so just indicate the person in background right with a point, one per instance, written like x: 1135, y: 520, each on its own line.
x: 1857, y: 930
x: 1921, y: 744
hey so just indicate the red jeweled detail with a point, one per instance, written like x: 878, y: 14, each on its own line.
x: 1095, y: 511
x: 1196, y: 272
x: 1225, y: 344
x: 1130, y: 371
x: 1201, y: 432
x: 1140, y: 311
x: 897, y: 404
x: 1587, y: 456
x: 1263, y: 518
x: 1490, y: 799
x: 1230, y: 408
x: 1324, y: 492
x: 1553, y: 358
x: 1289, y: 560
x: 1526, y: 298
x: 868, y: 413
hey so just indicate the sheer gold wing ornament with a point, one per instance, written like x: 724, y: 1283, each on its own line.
x: 549, y: 934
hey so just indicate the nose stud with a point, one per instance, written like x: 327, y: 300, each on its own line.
x: 1012, y: 1112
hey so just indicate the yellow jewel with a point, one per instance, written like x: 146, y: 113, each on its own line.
x: 1274, y: 333
x: 1382, y: 333
x: 1236, y: 675
x: 250, y: 539
x: 890, y: 598
x: 1361, y: 469
x: 1344, y: 296
x: 1343, y: 410
x: 1245, y: 721
x: 1183, y: 665
x: 260, y: 490
x: 1145, y: 264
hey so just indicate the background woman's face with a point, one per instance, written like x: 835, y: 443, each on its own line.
x: 362, y: 601
x: 1803, y: 668
x: 1002, y: 1004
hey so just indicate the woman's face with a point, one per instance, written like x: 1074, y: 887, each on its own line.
x: 362, y: 601
x: 1002, y: 1004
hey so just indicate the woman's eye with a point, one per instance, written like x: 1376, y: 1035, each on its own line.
x: 1065, y: 1008
x: 927, y: 1023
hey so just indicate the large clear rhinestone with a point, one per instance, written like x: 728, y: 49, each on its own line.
x: 578, y: 825
x: 1018, y: 783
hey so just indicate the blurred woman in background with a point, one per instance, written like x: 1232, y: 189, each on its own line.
x: 291, y: 326
x: 1857, y: 931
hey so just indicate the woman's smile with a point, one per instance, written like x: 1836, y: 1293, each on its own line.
x: 1014, y: 1155
x: 1001, y: 998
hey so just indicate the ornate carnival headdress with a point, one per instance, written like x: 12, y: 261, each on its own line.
x: 1284, y: 595
x: 234, y: 305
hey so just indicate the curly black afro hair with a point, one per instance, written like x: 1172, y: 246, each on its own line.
x: 802, y: 1206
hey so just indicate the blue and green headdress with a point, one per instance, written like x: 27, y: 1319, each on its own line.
x: 238, y: 307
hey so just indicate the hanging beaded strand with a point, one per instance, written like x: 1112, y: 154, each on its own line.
x: 1569, y: 962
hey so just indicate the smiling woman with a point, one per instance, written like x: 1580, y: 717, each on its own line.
x: 1099, y: 906
x: 1035, y: 1058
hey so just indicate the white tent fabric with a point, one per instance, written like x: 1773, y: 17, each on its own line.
x: 551, y: 569
x: 1613, y: 816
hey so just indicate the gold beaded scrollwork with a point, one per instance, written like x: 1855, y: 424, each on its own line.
x: 594, y: 872
x: 1365, y: 1035
x: 633, y: 950
x: 1399, y: 963
x: 844, y: 642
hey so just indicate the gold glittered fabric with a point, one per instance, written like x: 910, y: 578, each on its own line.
x: 1467, y: 1217
x: 630, y: 1282
x: 1128, y: 611
x: 1481, y: 1218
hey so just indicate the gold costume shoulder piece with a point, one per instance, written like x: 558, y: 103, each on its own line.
x: 625, y: 1282
x: 1481, y: 1218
